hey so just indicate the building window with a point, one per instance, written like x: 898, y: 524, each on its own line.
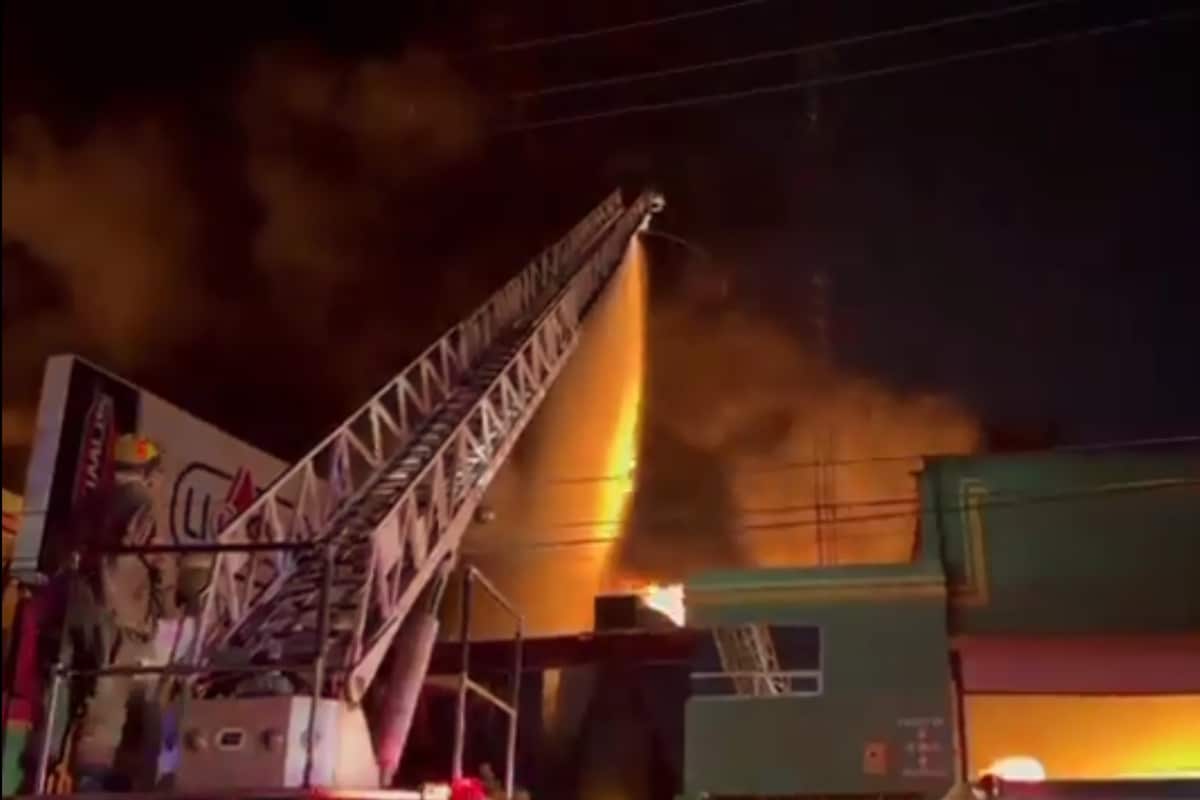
x: 759, y: 661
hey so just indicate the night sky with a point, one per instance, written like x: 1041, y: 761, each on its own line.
x: 254, y: 209
x: 262, y: 213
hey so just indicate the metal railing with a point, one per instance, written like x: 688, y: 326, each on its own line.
x: 779, y: 683
x: 466, y: 686
x: 60, y: 672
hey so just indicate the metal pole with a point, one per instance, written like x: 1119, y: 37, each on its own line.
x: 510, y: 758
x: 43, y: 762
x: 489, y: 587
x: 460, y: 717
x: 58, y: 670
x: 319, y: 666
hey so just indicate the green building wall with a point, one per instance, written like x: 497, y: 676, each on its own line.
x: 1067, y: 543
x: 1061, y: 543
x: 885, y: 681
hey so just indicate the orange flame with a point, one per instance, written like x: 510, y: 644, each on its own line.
x: 1017, y: 768
x: 666, y: 600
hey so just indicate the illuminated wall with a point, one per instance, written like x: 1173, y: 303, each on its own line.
x: 1088, y: 737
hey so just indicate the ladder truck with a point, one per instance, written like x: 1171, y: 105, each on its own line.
x: 344, y: 558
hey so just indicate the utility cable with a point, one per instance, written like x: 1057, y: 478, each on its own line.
x: 546, y: 41
x: 767, y: 55
x: 785, y: 466
x: 1007, y: 499
x: 991, y: 502
x: 853, y: 77
x: 752, y: 511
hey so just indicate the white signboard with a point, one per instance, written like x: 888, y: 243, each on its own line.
x: 207, y: 475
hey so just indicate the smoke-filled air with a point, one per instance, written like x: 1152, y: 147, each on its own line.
x: 97, y: 243
x: 265, y: 227
x: 142, y: 247
x: 663, y: 449
x: 682, y: 438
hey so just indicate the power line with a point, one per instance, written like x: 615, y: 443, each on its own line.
x: 546, y: 41
x: 785, y: 465
x: 517, y: 549
x: 782, y: 88
x: 1128, y: 443
x: 1116, y: 444
x: 992, y: 502
x: 782, y: 509
x: 780, y: 466
x: 767, y: 55
x: 997, y: 495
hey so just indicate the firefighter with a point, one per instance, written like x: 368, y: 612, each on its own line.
x: 115, y: 604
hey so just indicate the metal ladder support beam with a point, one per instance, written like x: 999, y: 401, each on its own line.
x: 396, y: 501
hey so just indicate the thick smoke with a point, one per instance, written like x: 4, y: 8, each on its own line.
x: 737, y: 405
x: 18, y: 427
x: 726, y: 399
x: 332, y: 145
x: 110, y: 222
x: 98, y: 243
x: 334, y: 155
x: 339, y: 156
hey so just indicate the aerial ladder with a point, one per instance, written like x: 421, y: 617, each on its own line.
x: 352, y: 545
x: 747, y: 655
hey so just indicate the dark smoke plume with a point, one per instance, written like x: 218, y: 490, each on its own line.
x: 734, y: 395
x: 336, y: 154
x: 110, y: 222
x: 332, y: 146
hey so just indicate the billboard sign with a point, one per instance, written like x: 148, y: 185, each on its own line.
x: 206, y: 474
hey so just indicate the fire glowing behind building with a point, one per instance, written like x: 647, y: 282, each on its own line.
x: 667, y: 600
x: 560, y: 503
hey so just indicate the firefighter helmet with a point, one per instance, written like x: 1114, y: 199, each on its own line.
x: 135, y: 452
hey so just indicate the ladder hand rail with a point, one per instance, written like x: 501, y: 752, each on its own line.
x: 300, y: 503
x: 458, y: 474
x: 747, y: 655
x: 426, y: 515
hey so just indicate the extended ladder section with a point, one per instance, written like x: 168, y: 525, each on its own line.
x: 748, y: 656
x: 389, y: 494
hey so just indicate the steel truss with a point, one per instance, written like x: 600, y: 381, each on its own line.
x: 395, y: 486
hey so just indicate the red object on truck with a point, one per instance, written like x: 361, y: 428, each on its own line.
x: 467, y: 789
